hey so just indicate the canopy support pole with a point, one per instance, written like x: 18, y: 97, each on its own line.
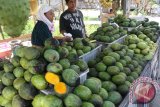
x: 1, y: 32
x: 62, y: 5
x: 49, y: 2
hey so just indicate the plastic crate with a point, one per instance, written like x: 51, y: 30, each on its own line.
x: 92, y: 54
x: 154, y: 64
x: 83, y: 76
x: 147, y: 70
x: 131, y: 28
x: 120, y: 40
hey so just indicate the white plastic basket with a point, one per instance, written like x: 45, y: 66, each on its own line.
x: 83, y: 76
x: 131, y: 28
x: 92, y: 54
x: 120, y: 40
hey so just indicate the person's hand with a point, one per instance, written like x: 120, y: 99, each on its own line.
x: 67, y: 38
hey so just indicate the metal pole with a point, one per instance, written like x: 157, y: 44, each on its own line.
x: 62, y: 5
x: 49, y: 2
x: 1, y: 32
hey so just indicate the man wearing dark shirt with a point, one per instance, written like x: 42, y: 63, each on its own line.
x: 71, y: 21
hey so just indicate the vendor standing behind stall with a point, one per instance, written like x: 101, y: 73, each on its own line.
x: 71, y: 21
x: 44, y: 26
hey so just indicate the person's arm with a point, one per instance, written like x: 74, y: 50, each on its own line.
x: 63, y: 28
x: 62, y: 25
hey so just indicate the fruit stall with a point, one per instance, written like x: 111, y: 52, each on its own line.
x: 59, y: 75
x: 96, y: 71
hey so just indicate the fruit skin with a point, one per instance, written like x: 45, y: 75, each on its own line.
x: 114, y: 97
x: 86, y: 49
x: 70, y: 77
x: 114, y: 55
x: 109, y: 60
x: 108, y: 104
x: 18, y: 82
x: 18, y: 72
x: 39, y: 82
x: 19, y: 102
x: 103, y: 93
x: 51, y: 55
x: 93, y: 72
x: 116, y: 46
x: 1, y: 87
x: 120, y: 65
x: 3, y: 101
x: 9, y: 104
x: 134, y: 75
x: 83, y: 92
x: 8, y: 78
x: 101, y: 67
x: 31, y: 53
x: 55, y: 68
x: 51, y: 43
x: 123, y: 89
x: 27, y: 91
x: 19, y: 51
x: 118, y: 79
x: 8, y: 67
x: 82, y: 64
x: 65, y: 63
x: 27, y: 76
x: 15, y: 61
x: 9, y: 92
x: 94, y: 84
x: 63, y: 52
x: 130, y: 79
x: 113, y: 70
x: 24, y: 63
x: 75, y: 68
x: 1, y: 74
x: 109, y: 86
x: 104, y: 76
x: 141, y: 45
x: 96, y: 100
x: 52, y: 101
x: 39, y: 100
x: 72, y: 100
x: 91, y: 63
x: 37, y: 66
x: 87, y: 104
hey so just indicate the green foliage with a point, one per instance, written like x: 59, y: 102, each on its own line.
x: 14, y: 16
